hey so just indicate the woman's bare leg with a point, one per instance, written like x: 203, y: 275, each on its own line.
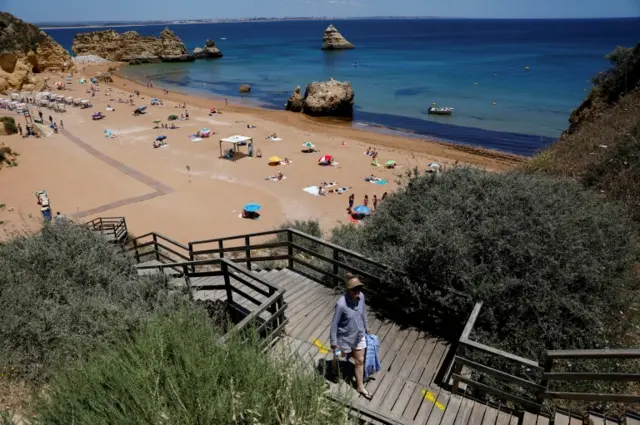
x: 358, y: 358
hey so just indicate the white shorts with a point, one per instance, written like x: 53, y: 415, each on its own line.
x: 362, y: 344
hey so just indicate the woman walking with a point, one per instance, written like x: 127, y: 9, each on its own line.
x: 349, y: 329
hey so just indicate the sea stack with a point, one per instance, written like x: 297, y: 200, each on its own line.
x: 333, y: 40
x: 329, y: 99
x: 209, y: 51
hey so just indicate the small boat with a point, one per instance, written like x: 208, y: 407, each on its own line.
x: 436, y: 110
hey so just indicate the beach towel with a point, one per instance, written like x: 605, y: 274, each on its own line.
x: 275, y: 139
x: 371, y: 360
x: 196, y: 139
x: 275, y: 179
x: 341, y: 190
x: 314, y: 190
x: 380, y: 181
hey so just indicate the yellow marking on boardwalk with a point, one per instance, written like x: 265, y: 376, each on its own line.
x: 432, y: 398
x: 321, y: 347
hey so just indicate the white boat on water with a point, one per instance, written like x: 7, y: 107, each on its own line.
x: 437, y: 110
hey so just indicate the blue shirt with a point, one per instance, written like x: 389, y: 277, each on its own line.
x: 349, y: 323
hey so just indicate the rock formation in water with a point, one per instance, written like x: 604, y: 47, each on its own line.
x: 328, y: 98
x: 333, y: 40
x: 245, y: 88
x: 295, y: 101
x: 26, y: 51
x: 209, y: 51
x: 132, y: 47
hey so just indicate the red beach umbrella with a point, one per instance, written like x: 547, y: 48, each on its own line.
x: 325, y: 159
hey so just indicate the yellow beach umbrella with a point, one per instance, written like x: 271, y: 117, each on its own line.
x: 275, y: 159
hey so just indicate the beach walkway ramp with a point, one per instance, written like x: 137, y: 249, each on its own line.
x: 286, y: 283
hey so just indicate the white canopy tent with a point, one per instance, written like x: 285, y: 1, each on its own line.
x: 236, y: 141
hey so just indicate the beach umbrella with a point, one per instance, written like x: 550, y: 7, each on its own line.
x: 308, y: 145
x: 154, y: 100
x: 361, y: 209
x: 390, y: 163
x: 325, y: 159
x: 274, y: 159
x: 434, y: 165
x: 160, y: 138
x: 157, y: 121
x: 252, y: 207
x: 142, y: 108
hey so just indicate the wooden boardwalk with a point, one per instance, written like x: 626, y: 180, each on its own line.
x: 404, y: 391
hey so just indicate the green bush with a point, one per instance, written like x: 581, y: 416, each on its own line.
x: 551, y: 261
x: 9, y: 124
x: 63, y: 291
x: 175, y: 371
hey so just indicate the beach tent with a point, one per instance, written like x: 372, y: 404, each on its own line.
x: 236, y: 141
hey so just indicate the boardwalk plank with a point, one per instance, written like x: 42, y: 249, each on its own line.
x: 441, y: 398
x: 465, y: 411
x: 453, y: 410
x: 477, y: 414
x: 401, y: 403
x: 561, y: 419
x: 490, y: 416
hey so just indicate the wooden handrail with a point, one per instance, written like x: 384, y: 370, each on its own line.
x: 605, y: 353
x: 230, y: 238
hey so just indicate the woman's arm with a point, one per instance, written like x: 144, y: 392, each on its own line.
x: 337, y: 314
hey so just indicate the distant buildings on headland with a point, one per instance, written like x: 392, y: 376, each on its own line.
x: 97, y: 24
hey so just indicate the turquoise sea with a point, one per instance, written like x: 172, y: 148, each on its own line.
x: 404, y: 65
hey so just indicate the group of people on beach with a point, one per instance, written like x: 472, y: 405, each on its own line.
x: 365, y: 202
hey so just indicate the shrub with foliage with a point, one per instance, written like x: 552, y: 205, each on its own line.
x: 63, y: 292
x: 175, y: 371
x: 9, y: 124
x: 551, y: 261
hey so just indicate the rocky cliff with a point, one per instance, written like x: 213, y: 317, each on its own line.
x: 327, y: 98
x: 333, y: 40
x: 209, y: 51
x: 26, y: 51
x: 131, y: 47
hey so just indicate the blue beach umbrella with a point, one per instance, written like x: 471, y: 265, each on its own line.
x: 361, y: 209
x: 252, y: 207
x: 161, y: 138
x: 142, y: 108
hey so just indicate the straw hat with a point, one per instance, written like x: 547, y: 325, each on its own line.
x: 353, y: 282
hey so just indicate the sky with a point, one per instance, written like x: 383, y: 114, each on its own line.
x: 132, y: 10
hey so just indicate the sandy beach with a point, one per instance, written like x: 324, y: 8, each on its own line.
x: 88, y: 175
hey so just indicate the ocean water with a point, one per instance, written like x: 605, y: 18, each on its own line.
x: 404, y: 65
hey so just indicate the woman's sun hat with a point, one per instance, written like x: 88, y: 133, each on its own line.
x: 353, y: 282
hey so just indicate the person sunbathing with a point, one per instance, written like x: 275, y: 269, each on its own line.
x: 286, y: 161
x: 279, y: 175
x: 173, y: 126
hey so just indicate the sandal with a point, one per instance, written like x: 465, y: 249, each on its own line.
x: 364, y: 393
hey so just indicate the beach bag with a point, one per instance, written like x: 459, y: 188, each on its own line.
x: 371, y: 360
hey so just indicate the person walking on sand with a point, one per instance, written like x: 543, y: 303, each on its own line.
x: 19, y: 129
x: 61, y: 125
x: 351, y: 201
x: 375, y: 202
x: 384, y: 196
x: 349, y: 329
x: 366, y: 200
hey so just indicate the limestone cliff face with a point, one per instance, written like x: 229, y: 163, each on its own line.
x: 209, y: 51
x: 26, y: 51
x: 131, y: 46
x: 333, y: 40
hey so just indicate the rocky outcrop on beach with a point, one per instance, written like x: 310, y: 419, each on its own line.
x: 245, y: 88
x: 333, y: 40
x: 295, y: 101
x: 132, y: 47
x: 104, y: 77
x: 327, y: 98
x: 209, y: 51
x: 25, y: 51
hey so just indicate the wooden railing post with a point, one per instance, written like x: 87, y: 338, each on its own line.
x: 336, y: 256
x: 227, y: 282
x: 193, y: 268
x: 100, y: 221
x: 290, y: 249
x: 136, y: 254
x: 548, y: 366
x: 155, y: 247
x: 185, y: 272
x: 247, y: 245
x: 457, y: 369
x: 221, y: 248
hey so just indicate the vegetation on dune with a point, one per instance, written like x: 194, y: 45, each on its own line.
x: 17, y: 35
x: 9, y: 125
x: 551, y: 262
x: 63, y: 292
x: 175, y: 370
x: 601, y: 148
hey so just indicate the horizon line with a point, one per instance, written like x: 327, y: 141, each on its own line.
x: 110, y: 21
